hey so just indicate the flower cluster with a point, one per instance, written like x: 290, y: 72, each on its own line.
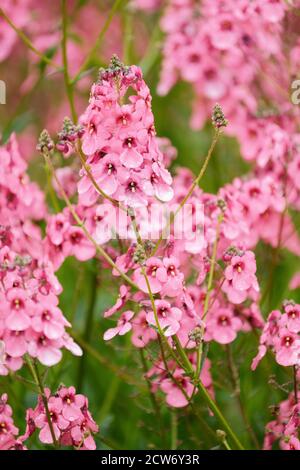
x: 71, y: 421
x: 177, y: 387
x: 8, y: 431
x: 63, y: 417
x: 119, y: 141
x: 30, y: 319
x: 285, y: 427
x: 240, y: 279
x: 206, y: 43
x: 281, y: 335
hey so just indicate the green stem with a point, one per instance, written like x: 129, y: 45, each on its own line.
x: 94, y: 182
x: 27, y: 41
x: 235, y: 380
x: 52, y: 193
x: 190, y: 191
x: 160, y: 331
x: 99, y: 39
x: 153, y: 50
x: 127, y: 26
x: 88, y: 329
x: 37, y: 379
x: 174, y: 430
x: 209, y: 289
x: 68, y: 84
x: 295, y: 384
x: 151, y: 394
x: 217, y: 412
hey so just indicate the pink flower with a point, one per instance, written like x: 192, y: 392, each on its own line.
x: 287, y: 348
x: 71, y: 420
x: 295, y: 281
x: 121, y: 300
x: 156, y: 274
x: 19, y: 306
x: 222, y: 326
x: 59, y: 423
x: 241, y: 271
x: 49, y: 321
x: 57, y: 228
x: 46, y: 350
x: 175, y: 278
x: 78, y: 245
x: 175, y: 397
x: 72, y: 403
x: 142, y: 333
x: 292, y: 311
x: 168, y: 317
x: 123, y: 326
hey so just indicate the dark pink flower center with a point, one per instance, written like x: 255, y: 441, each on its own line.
x: 59, y: 225
x: 239, y: 267
x: 226, y: 25
x: 76, y: 238
x: 91, y: 128
x: 152, y: 271
x: 129, y: 142
x: 123, y: 119
x: 293, y: 314
x: 46, y: 315
x: 223, y: 320
x: 17, y: 304
x: 154, y: 178
x: 163, y: 311
x: 132, y: 186
x: 3, y: 428
x: 287, y: 341
x: 171, y: 270
x: 42, y: 340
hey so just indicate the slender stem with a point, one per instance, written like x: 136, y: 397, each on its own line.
x: 99, y: 39
x: 94, y: 182
x: 81, y: 224
x: 27, y: 41
x: 190, y: 191
x: 235, y: 380
x: 208, y: 292
x: 152, y: 396
x: 153, y: 50
x: 52, y: 193
x: 68, y: 84
x: 295, y: 384
x: 160, y: 331
x: 174, y: 430
x: 37, y: 379
x: 88, y: 327
x: 127, y: 25
x: 226, y: 445
x: 212, y: 267
x: 183, y: 356
x: 276, y: 251
x: 217, y: 412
